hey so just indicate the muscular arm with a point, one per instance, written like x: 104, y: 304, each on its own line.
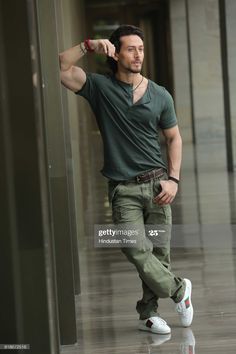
x: 174, y: 157
x: 72, y: 76
x: 174, y: 150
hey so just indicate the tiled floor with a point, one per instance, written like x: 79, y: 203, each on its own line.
x: 106, y: 316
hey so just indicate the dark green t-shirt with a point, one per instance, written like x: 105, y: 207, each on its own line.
x: 129, y: 131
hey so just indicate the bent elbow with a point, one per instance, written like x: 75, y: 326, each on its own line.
x: 62, y: 62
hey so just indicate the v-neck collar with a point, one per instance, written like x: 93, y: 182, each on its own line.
x: 146, y: 97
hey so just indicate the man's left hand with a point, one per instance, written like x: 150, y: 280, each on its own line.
x: 167, y: 194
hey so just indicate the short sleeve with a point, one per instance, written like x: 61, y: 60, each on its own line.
x: 89, y: 89
x: 168, y: 117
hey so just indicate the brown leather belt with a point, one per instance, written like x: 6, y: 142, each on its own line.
x: 147, y: 176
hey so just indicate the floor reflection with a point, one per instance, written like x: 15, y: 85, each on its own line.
x: 106, y: 317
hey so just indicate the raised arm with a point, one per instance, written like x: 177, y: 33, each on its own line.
x: 72, y: 76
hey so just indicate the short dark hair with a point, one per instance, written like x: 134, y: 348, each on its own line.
x: 123, y: 30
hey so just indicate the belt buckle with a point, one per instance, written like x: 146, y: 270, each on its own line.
x: 138, y: 180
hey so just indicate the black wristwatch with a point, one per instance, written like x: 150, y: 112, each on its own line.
x: 173, y: 179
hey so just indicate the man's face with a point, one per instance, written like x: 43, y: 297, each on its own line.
x: 131, y: 55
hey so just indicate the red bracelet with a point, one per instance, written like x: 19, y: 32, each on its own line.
x: 87, y: 45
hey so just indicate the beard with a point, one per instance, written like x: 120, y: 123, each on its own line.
x: 131, y: 68
x: 134, y: 71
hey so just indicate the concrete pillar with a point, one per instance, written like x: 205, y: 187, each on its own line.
x: 181, y: 70
x: 230, y: 7
x: 59, y: 172
x: 72, y: 32
x: 206, y: 71
x: 28, y: 291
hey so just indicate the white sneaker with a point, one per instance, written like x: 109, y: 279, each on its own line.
x: 155, y: 325
x: 185, y: 307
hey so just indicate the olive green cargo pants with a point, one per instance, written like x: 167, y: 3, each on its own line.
x: 132, y: 203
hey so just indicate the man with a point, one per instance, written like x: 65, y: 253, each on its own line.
x: 130, y: 109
